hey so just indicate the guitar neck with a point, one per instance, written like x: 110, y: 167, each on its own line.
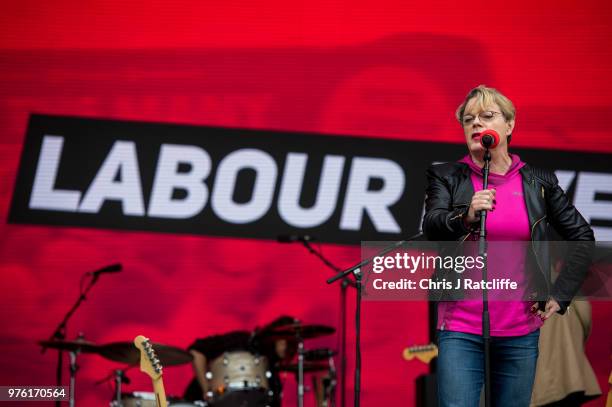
x: 160, y: 392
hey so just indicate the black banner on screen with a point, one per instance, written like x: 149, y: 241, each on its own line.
x: 251, y: 183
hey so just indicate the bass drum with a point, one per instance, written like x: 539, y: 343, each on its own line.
x: 239, y: 378
x: 147, y: 399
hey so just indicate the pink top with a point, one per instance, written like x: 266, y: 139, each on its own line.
x: 510, y: 222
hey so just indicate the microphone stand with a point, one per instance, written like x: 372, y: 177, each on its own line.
x: 356, y: 272
x: 343, y: 287
x: 482, y: 251
x: 60, y: 334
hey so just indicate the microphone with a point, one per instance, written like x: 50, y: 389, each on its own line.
x: 489, y: 139
x: 294, y: 238
x: 113, y: 268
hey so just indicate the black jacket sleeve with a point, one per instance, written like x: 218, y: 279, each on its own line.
x: 571, y: 226
x: 444, y: 219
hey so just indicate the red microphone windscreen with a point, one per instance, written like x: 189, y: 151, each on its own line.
x: 489, y: 139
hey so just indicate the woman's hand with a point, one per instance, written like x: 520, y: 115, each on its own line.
x: 484, y: 199
x: 551, y: 307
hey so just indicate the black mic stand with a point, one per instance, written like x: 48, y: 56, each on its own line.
x: 356, y: 272
x: 482, y: 251
x: 60, y: 332
x: 346, y: 282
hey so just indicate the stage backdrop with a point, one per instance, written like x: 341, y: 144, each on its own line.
x: 315, y: 118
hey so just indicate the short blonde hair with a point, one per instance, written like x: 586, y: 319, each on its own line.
x: 485, y: 97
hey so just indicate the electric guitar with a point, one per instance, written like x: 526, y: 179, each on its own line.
x: 425, y: 353
x: 150, y: 364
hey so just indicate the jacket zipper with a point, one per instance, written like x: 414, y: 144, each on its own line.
x: 455, y: 217
x: 459, y: 215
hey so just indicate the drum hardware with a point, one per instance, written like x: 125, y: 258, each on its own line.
x: 319, y: 354
x: 318, y: 361
x: 118, y: 382
x: 356, y: 271
x: 330, y: 386
x: 59, y: 334
x: 74, y: 348
x: 79, y: 344
x: 124, y: 352
x: 305, y: 331
x: 346, y: 283
x: 135, y: 399
x: 308, y: 367
x: 324, y: 387
x: 300, y: 332
x: 119, y: 378
x: 300, y: 341
x: 73, y: 370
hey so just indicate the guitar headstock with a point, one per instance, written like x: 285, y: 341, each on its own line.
x: 149, y: 363
x: 425, y: 353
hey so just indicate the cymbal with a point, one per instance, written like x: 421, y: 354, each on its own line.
x: 126, y: 352
x: 303, y: 331
x: 308, y: 367
x: 80, y: 345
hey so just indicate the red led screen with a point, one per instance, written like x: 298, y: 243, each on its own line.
x: 386, y: 70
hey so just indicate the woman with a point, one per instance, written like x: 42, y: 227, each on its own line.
x: 521, y: 202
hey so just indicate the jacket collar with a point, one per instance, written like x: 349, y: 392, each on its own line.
x: 526, y: 173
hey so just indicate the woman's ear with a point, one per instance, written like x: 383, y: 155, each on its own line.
x: 510, y: 128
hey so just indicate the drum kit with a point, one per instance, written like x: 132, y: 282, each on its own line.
x: 235, y: 378
x: 243, y: 377
x: 126, y: 353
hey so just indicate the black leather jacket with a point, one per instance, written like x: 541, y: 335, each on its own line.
x: 449, y: 194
